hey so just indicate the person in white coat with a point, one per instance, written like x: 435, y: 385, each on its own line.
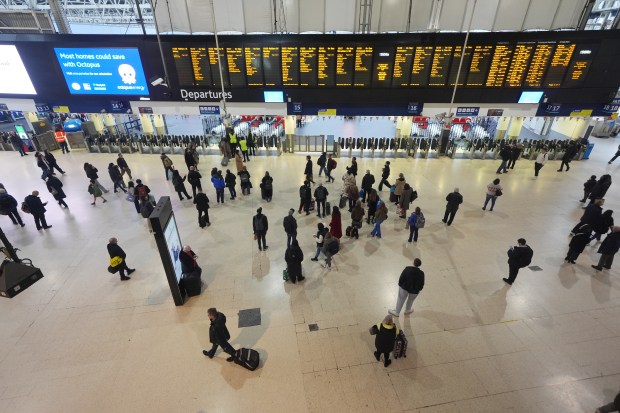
x: 541, y: 160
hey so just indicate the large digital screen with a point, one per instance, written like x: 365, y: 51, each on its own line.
x: 14, y: 78
x: 173, y: 241
x: 102, y: 71
x: 530, y: 97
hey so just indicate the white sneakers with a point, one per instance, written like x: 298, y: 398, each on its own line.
x: 394, y: 313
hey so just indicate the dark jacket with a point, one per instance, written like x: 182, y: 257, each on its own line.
x: 591, y: 214
x: 178, y: 182
x: 7, y: 203
x: 305, y: 193
x: 267, y: 183
x: 189, y: 159
x: 322, y: 160
x: 290, y: 225
x: 610, y: 244
x: 386, y: 172
x: 202, y: 201
x: 411, y: 280
x: 368, y: 181
x: 188, y: 261
x: 260, y: 224
x: 293, y: 257
x: 193, y: 177
x: 579, y: 241
x: 504, y: 153
x: 570, y: 153
x: 454, y: 200
x: 357, y: 214
x: 600, y: 188
x: 115, y: 251
x: 218, y: 333
x: 51, y: 159
x: 91, y: 173
x: 320, y: 193
x: 353, y: 168
x: 43, y: 164
x: 244, y: 175
x: 230, y: 180
x: 35, y: 205
x: 589, y: 184
x: 308, y: 170
x: 115, y: 173
x: 55, y: 183
x: 603, y: 223
x: 385, y: 338
x: 520, y: 256
x: 122, y: 163
x: 136, y: 191
x: 406, y: 198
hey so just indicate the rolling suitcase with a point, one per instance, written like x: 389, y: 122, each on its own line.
x: 224, y: 161
x: 348, y: 231
x: 247, y: 358
x: 343, y: 201
x: 192, y: 284
x: 328, y: 208
x: 312, y: 205
x: 400, y: 346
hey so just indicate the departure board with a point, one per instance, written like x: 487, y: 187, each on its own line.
x: 308, y: 66
x: 345, y: 65
x: 201, y: 66
x: 520, y: 62
x: 363, y: 66
x: 421, y: 65
x: 290, y: 66
x: 559, y: 64
x: 440, y: 66
x: 403, y: 60
x: 382, y: 67
x: 454, y: 69
x: 214, y: 56
x: 236, y: 66
x: 538, y: 64
x: 183, y: 64
x: 499, y: 65
x: 480, y: 63
x: 577, y: 72
x: 254, y: 65
x: 271, y: 66
x: 326, y: 66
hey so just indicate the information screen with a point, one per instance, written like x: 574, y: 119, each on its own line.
x: 403, y: 61
x: 308, y: 66
x: 559, y: 64
x: 363, y: 66
x: 480, y: 63
x: 440, y: 66
x: 499, y: 65
x: 216, y: 55
x: 14, y: 77
x: 327, y: 66
x: 539, y: 63
x: 173, y: 242
x: 454, y: 69
x: 183, y: 64
x: 382, y: 67
x: 236, y: 66
x: 345, y: 65
x: 254, y: 66
x: 102, y: 71
x: 271, y: 66
x: 520, y: 62
x: 421, y: 65
x: 290, y: 66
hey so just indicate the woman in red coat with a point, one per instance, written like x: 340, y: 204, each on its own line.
x: 336, y: 224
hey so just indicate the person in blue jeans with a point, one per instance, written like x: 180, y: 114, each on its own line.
x: 219, y: 184
x: 380, y: 216
x: 491, y: 194
x: 414, y: 225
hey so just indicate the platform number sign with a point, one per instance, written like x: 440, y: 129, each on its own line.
x: 553, y: 108
x: 414, y: 108
x: 611, y: 108
x: 297, y: 108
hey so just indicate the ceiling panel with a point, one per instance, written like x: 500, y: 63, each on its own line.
x: 540, y: 14
x: 257, y: 15
x: 292, y: 15
x: 420, y: 14
x: 312, y: 13
x: 394, y: 15
x: 339, y: 15
x: 568, y: 13
x: 452, y: 14
x: 483, y: 15
x: 228, y: 15
x: 510, y: 14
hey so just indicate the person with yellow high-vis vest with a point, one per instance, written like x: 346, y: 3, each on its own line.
x: 243, y: 144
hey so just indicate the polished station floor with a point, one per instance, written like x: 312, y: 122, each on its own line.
x: 80, y: 340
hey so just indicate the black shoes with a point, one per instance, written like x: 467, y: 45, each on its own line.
x: 129, y: 271
x: 125, y: 278
x: 377, y: 355
x: 231, y: 358
x: 47, y: 227
x: 387, y: 362
x: 597, y: 268
x: 208, y: 353
x: 300, y: 279
x: 507, y: 281
x: 314, y: 259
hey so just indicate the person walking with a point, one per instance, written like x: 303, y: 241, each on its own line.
x: 399, y: 187
x: 92, y: 175
x: 385, y: 174
x: 352, y: 193
x: 246, y: 184
x: 146, y: 209
x: 193, y: 177
x: 251, y: 144
x: 230, y: 182
x: 320, y: 197
x: 569, y: 154
x: 380, y: 216
x: 578, y: 243
x: 266, y: 187
x: 42, y: 163
x: 202, y: 206
x: 179, y: 185
x: 590, y: 216
x: 54, y: 185
x: 600, y: 188
x: 406, y: 198
x: 602, y: 225
x: 335, y: 225
x: 367, y: 182
x: 190, y: 161
x: 494, y: 189
x: 331, y: 246
x: 410, y: 283
x: 18, y: 144
x: 243, y: 145
x: 167, y: 162
x: 385, y: 338
x: 219, y: 335
x: 587, y: 188
x: 515, y: 154
x: 260, y: 225
x: 219, y: 184
x: 290, y: 227
x: 415, y: 222
x: 116, y: 177
x: 330, y: 166
x: 319, y: 238
x: 504, y: 153
x: 519, y: 256
x: 122, y: 165
x: 541, y: 160
x: 454, y: 199
x: 305, y: 197
x: 37, y: 209
x: 609, y: 247
x: 61, y: 138
x: 114, y: 250
x: 8, y: 206
x: 615, y: 156
x: 321, y: 162
x: 357, y: 216
x: 51, y: 161
x: 95, y: 191
x: 294, y: 256
x: 308, y: 170
x: 238, y: 162
x: 372, y: 204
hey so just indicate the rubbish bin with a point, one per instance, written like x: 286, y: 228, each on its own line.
x: 586, y: 154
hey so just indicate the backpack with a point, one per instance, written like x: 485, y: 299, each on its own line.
x: 334, y: 164
x: 244, y: 178
x: 142, y: 192
x: 333, y: 248
x: 420, y: 221
x: 26, y: 208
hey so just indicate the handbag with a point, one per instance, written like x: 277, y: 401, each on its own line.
x: 498, y: 192
x: 373, y: 330
x: 115, y: 261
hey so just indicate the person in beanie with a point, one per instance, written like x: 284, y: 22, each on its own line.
x: 410, y: 283
x: 578, y: 243
x: 218, y: 335
x: 114, y: 250
x: 294, y: 257
x: 385, y: 338
x: 609, y: 247
x: 260, y: 225
x: 587, y: 188
x: 290, y: 227
x: 519, y: 256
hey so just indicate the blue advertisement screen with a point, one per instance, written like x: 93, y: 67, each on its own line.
x: 102, y: 71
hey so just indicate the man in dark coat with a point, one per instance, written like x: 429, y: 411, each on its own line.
x: 19, y: 144
x: 202, y: 206
x: 260, y: 226
x: 218, y: 335
x: 385, y: 174
x: 54, y: 185
x: 367, y: 182
x: 322, y: 162
x: 569, y: 154
x: 290, y: 227
x: 515, y: 153
x: 609, y: 247
x: 305, y: 197
x: 353, y: 168
x: 600, y: 188
x: 578, y: 243
x: 454, y: 200
x: 37, y: 209
x: 294, y: 257
x: 193, y: 177
x: 8, y: 206
x: 590, y: 216
x: 51, y: 161
x: 308, y: 170
x: 410, y: 283
x: 114, y: 250
x: 519, y: 256
x: 122, y: 164
x: 504, y: 153
x: 320, y: 196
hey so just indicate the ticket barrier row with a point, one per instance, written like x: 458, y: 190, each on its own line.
x: 375, y: 147
x: 489, y: 148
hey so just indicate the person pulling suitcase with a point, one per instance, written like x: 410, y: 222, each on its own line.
x: 219, y: 335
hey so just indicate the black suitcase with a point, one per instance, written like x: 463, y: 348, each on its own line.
x: 328, y: 208
x: 343, y: 201
x: 348, y: 231
x: 191, y: 283
x: 248, y: 358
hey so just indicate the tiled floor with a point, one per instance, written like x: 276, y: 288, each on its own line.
x: 79, y: 340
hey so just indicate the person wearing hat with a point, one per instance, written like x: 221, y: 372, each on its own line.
x: 114, y: 250
x: 385, y: 337
x: 260, y: 225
